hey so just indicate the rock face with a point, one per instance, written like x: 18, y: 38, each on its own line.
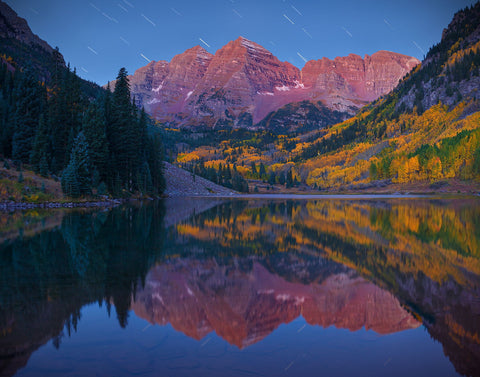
x: 350, y: 81
x: 12, y: 26
x: 302, y: 117
x: 445, y: 76
x: 243, y: 82
x: 244, y: 307
x: 21, y: 48
x: 181, y: 183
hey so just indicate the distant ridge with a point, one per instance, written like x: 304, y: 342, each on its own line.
x: 243, y: 82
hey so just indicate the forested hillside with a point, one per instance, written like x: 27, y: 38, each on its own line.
x: 427, y: 129
x: 61, y: 126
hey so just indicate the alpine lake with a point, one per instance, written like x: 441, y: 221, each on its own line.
x: 274, y: 286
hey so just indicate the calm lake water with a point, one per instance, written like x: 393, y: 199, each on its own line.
x: 251, y: 287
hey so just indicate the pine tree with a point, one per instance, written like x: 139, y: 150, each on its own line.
x: 154, y: 159
x: 41, y: 145
x: 289, y: 179
x: 94, y: 129
x: 261, y: 171
x: 69, y: 181
x: 30, y: 99
x: 144, y: 179
x: 58, y: 122
x: 271, y: 178
x: 7, y: 110
x: 123, y: 132
x: 74, y: 101
x: 76, y: 179
x: 43, y: 166
x: 254, y: 169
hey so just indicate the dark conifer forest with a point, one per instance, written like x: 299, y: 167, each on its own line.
x: 95, y: 141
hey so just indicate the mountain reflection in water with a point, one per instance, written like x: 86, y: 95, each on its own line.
x: 244, y: 305
x: 242, y: 268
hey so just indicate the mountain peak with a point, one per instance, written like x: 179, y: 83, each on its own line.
x: 244, y: 42
x: 199, y: 51
x: 243, y: 82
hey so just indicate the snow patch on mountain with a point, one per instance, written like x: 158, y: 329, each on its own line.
x: 282, y: 88
x: 154, y: 100
x: 158, y: 89
x: 298, y: 85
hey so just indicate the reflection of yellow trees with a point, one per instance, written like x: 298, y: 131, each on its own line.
x: 29, y: 223
x: 410, y: 237
x: 458, y: 333
x: 413, y: 233
x: 388, y: 242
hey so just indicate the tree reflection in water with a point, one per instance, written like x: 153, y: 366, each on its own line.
x: 243, y: 267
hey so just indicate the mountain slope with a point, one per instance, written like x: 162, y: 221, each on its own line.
x: 12, y: 26
x: 302, y: 117
x: 61, y: 125
x: 182, y: 183
x: 24, y: 48
x: 21, y: 48
x: 243, y: 82
x: 426, y: 131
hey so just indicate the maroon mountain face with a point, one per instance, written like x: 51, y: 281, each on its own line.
x: 243, y: 82
x: 352, y: 81
x: 197, y: 298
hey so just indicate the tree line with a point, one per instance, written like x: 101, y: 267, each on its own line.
x: 225, y: 175
x: 101, y: 144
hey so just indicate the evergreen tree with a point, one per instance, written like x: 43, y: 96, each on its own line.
x: 271, y: 178
x: 144, y: 179
x: 41, y: 145
x: 254, y: 169
x: 7, y: 111
x: 76, y: 180
x: 43, y: 166
x: 94, y: 129
x: 289, y: 179
x: 261, y: 171
x: 123, y: 131
x: 62, y: 138
x: 69, y: 181
x: 30, y: 99
x: 154, y: 159
x: 239, y: 183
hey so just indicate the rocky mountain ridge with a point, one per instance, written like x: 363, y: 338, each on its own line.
x: 250, y: 306
x: 243, y: 82
x: 12, y: 26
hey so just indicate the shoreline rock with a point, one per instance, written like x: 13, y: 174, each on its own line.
x: 12, y: 206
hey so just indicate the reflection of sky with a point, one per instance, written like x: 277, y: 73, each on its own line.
x: 100, y: 36
x: 296, y: 349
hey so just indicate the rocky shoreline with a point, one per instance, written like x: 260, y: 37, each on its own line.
x: 12, y: 206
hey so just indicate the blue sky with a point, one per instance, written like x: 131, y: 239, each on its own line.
x: 100, y: 36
